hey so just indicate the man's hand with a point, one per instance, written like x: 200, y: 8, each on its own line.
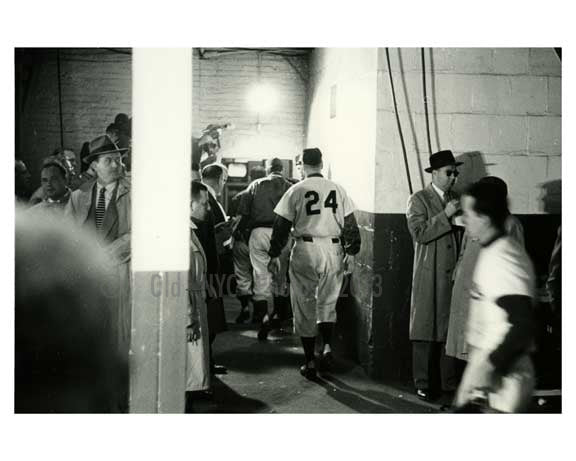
x: 193, y: 332
x: 452, y: 207
x: 274, y: 266
x: 348, y: 264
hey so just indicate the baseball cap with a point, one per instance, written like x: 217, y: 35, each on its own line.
x: 312, y: 156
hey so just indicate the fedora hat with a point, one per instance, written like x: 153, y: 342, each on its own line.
x: 440, y: 159
x: 100, y: 146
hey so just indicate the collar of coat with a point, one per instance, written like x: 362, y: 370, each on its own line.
x: 123, y: 187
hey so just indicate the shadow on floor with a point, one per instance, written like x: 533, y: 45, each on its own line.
x: 224, y: 400
x: 367, y: 401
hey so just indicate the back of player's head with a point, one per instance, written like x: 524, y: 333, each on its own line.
x: 213, y: 172
x: 274, y: 165
x: 312, y: 157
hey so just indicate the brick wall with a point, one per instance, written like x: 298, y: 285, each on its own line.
x: 96, y: 85
x: 221, y: 83
x: 497, y: 108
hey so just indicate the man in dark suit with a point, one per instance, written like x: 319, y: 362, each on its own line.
x: 211, y: 234
x: 429, y: 216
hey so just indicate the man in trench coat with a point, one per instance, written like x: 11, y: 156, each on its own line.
x: 103, y: 207
x: 435, y: 239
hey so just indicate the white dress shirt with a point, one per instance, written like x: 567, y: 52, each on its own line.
x: 439, y: 191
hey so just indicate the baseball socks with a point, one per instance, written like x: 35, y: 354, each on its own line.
x: 326, y: 330
x: 308, y: 370
x: 243, y: 315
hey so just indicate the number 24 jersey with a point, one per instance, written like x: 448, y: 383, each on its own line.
x: 316, y: 207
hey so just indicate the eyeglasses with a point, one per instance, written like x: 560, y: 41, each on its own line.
x: 452, y: 172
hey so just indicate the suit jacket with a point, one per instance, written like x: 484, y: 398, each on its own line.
x: 216, y: 211
x: 435, y: 256
x: 78, y: 209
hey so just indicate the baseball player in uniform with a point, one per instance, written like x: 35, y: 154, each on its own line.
x: 241, y: 252
x: 257, y: 210
x: 326, y: 238
x: 500, y: 329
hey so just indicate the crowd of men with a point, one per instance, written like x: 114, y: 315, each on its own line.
x: 292, y: 241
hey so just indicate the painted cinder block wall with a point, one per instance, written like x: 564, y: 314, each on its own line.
x: 96, y: 85
x: 497, y: 109
x: 342, y: 123
x: 221, y: 84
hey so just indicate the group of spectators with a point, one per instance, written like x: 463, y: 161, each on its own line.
x: 473, y: 290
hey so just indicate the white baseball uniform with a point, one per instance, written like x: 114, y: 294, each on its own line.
x: 503, y: 268
x: 316, y: 207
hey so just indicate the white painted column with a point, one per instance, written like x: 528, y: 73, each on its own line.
x: 161, y: 127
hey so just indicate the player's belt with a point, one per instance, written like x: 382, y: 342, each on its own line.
x: 310, y: 239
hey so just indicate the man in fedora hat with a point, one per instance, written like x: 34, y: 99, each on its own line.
x: 102, y: 206
x: 429, y: 215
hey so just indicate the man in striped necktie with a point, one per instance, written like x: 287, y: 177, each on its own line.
x: 103, y: 205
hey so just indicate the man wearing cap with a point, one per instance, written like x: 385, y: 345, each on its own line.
x: 257, y: 211
x: 326, y: 238
x: 429, y: 216
x: 102, y: 206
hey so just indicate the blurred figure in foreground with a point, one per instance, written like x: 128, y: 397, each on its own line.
x: 456, y: 345
x: 501, y: 322
x: 66, y: 359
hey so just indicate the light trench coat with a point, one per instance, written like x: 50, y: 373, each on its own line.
x: 197, y: 354
x: 435, y: 254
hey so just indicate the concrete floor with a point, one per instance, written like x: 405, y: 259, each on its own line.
x: 263, y: 377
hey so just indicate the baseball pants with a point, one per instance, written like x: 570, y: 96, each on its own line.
x: 316, y: 276
x: 264, y: 285
x: 242, y: 268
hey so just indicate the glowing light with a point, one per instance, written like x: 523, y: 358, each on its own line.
x: 262, y: 98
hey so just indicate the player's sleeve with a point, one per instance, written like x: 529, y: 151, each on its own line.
x: 280, y: 233
x: 520, y: 335
x: 285, y: 207
x: 348, y: 205
x: 351, y: 235
x: 245, y: 205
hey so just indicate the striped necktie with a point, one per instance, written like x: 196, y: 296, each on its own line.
x: 100, y: 208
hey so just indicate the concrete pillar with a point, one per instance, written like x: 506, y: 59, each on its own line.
x: 162, y: 108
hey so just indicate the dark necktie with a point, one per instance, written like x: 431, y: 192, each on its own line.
x: 100, y: 208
